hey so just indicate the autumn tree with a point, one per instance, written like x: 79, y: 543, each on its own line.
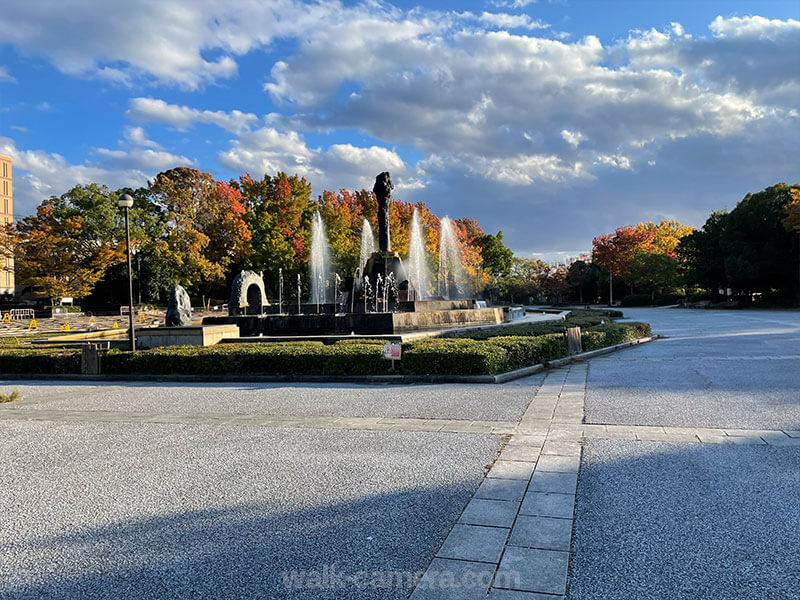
x: 553, y: 283
x: 615, y: 253
x: 205, y: 229
x: 666, y: 235
x: 56, y: 256
x: 278, y: 213
x: 582, y: 277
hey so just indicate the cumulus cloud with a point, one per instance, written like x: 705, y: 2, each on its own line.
x: 137, y: 137
x: 39, y: 174
x: 268, y: 150
x: 145, y: 159
x: 153, y: 110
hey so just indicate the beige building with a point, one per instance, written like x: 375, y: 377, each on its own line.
x: 6, y: 217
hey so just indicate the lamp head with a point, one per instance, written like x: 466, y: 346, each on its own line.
x: 125, y: 201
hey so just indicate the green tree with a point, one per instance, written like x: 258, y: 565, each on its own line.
x: 756, y: 245
x: 496, y: 258
x: 278, y: 211
x: 701, y: 253
x: 582, y: 278
x: 655, y: 272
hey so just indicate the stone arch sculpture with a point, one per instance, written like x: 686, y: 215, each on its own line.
x: 248, y: 296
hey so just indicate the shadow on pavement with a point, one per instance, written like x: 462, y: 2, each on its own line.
x: 687, y: 521
x: 248, y: 551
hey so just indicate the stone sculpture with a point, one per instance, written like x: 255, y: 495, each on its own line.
x: 383, y: 192
x: 179, y: 309
x: 248, y: 296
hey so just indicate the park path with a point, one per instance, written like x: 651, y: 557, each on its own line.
x: 664, y: 470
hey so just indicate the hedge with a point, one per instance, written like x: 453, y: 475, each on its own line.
x: 432, y: 356
x: 40, y: 361
x: 616, y: 333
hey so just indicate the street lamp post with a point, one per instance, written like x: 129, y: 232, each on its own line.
x: 126, y: 202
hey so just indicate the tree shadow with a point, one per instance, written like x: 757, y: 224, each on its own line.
x: 247, y: 551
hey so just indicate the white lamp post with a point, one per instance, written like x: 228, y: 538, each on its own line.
x: 126, y: 202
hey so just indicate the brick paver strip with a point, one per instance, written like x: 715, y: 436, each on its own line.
x: 475, y: 543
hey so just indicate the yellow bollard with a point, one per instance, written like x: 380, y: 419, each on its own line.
x: 65, y: 327
x: 33, y: 326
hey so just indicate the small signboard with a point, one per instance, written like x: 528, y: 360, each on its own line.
x: 392, y: 351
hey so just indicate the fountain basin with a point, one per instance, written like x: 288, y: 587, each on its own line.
x: 359, y: 323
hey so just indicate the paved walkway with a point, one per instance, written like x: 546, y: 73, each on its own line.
x: 665, y: 470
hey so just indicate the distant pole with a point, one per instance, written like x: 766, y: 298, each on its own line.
x: 125, y: 202
x: 610, y: 288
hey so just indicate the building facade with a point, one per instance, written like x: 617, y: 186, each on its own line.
x: 6, y: 217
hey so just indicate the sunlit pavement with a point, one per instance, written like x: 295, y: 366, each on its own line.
x: 664, y: 470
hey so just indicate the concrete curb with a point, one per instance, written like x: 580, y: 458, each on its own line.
x: 380, y: 379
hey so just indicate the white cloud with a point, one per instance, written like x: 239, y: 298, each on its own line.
x: 5, y: 74
x: 176, y: 42
x: 145, y: 159
x: 138, y: 137
x: 573, y: 138
x: 614, y: 160
x: 268, y: 150
x: 506, y: 21
x: 39, y: 174
x: 152, y: 110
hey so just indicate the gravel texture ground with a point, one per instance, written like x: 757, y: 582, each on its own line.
x: 144, y: 511
x: 448, y: 401
x: 728, y: 369
x: 686, y: 522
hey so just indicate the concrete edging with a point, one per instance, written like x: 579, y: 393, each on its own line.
x: 384, y: 379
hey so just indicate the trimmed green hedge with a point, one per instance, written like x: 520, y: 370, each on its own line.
x: 616, y: 333
x: 436, y: 356
x: 453, y: 357
x: 40, y: 361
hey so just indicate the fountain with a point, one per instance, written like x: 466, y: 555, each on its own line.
x: 320, y: 261
x: 367, y: 243
x: 383, y: 295
x: 451, y: 270
x: 417, y: 266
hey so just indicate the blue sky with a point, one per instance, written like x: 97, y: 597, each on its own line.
x: 553, y: 121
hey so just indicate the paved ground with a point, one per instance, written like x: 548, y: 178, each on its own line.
x: 132, y: 511
x: 668, y: 470
x: 420, y: 401
x: 677, y: 520
x: 728, y: 369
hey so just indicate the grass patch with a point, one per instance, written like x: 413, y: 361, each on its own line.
x: 12, y: 397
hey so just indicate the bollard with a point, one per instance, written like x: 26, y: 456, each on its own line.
x: 90, y: 360
x: 574, y: 345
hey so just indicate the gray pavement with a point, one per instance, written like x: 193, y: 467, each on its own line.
x: 446, y: 401
x: 725, y: 369
x: 96, y: 510
x: 687, y: 521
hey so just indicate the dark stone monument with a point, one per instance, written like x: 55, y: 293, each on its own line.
x: 179, y: 309
x: 384, y: 261
x: 383, y: 192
